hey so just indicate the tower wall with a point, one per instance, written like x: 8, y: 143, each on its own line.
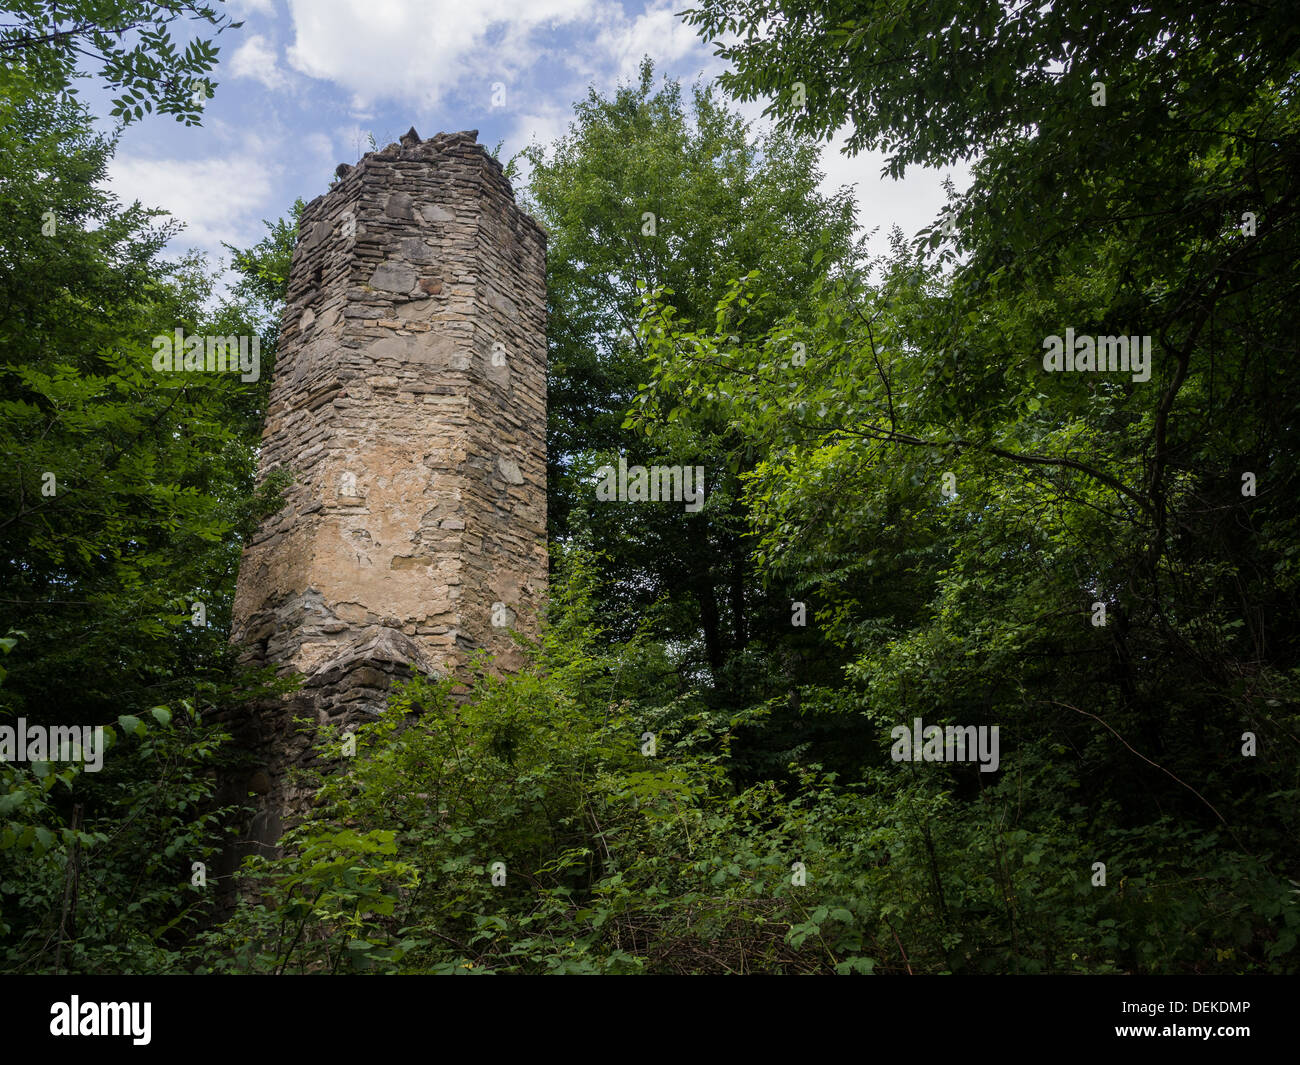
x: 409, y: 400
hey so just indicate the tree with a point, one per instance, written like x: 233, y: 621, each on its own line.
x: 126, y: 490
x: 1103, y: 574
x: 647, y: 191
x: 128, y: 44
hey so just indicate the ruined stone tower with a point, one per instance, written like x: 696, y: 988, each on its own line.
x: 409, y: 400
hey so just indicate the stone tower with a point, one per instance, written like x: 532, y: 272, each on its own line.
x: 409, y: 400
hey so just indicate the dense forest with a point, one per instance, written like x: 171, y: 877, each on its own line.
x: 940, y: 492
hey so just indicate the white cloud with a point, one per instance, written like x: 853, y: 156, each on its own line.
x: 750, y: 111
x: 219, y: 198
x: 256, y: 59
x: 911, y: 202
x: 422, y: 52
x: 545, y: 123
x: 355, y: 141
x: 657, y: 32
x: 319, y: 145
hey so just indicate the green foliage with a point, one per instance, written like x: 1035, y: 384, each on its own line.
x: 614, y: 861
x: 126, y: 491
x: 724, y: 201
x: 682, y: 781
x: 264, y: 268
x: 44, y: 44
x: 96, y: 866
x: 606, y: 852
x: 125, y: 497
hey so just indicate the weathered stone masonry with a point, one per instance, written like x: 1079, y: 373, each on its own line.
x: 409, y: 397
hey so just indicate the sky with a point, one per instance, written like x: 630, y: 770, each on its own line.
x: 301, y: 84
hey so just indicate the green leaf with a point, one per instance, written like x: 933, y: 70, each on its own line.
x: 131, y: 723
